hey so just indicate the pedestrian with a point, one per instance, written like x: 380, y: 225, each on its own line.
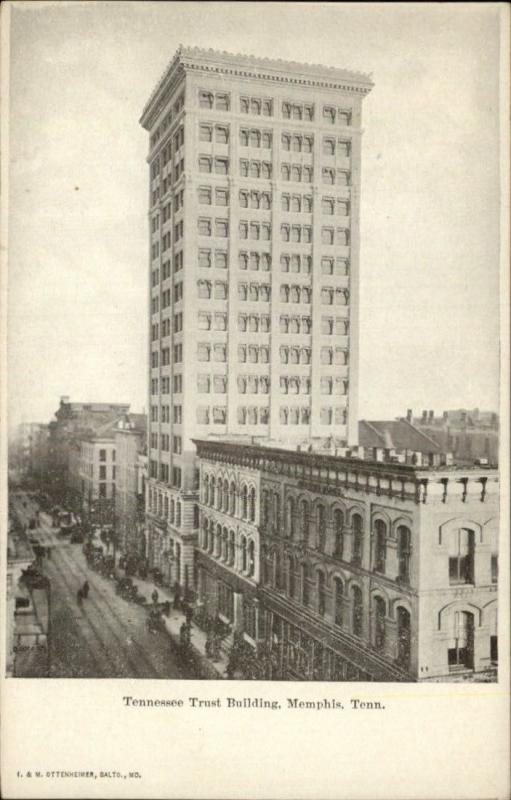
x: 155, y: 596
x: 79, y: 596
x: 85, y: 590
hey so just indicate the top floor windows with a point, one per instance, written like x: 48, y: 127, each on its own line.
x: 218, y: 100
x: 298, y: 111
x: 257, y: 106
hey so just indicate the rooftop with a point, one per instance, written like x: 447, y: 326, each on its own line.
x: 273, y: 69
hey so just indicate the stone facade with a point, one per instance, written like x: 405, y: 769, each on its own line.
x: 367, y: 570
x: 254, y: 193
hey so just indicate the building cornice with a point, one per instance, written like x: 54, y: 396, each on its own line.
x: 197, y: 59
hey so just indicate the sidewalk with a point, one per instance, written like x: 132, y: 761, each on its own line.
x: 204, y: 666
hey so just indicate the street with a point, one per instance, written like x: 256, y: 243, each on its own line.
x: 105, y: 637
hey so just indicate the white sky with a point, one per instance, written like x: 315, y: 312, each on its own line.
x: 80, y: 76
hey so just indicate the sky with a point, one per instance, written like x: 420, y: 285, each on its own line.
x: 80, y: 74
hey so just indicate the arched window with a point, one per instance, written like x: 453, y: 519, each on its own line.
x: 304, y: 512
x: 178, y: 513
x: 225, y: 544
x: 244, y: 502
x: 225, y: 499
x: 243, y: 554
x: 357, y: 610
x: 290, y: 576
x: 305, y: 584
x: 252, y: 505
x: 218, y: 541
x: 358, y: 539
x: 232, y: 498
x: 276, y: 510
x: 379, y: 623
x: 321, y: 593
x: 211, y: 544
x: 403, y: 553
x: 212, y: 490
x: 251, y: 558
x: 461, y: 647
x: 290, y: 517
x: 338, y: 533
x: 205, y: 534
x: 338, y: 602
x: 321, y: 522
x: 461, y: 556
x: 232, y: 548
x: 266, y: 507
x: 403, y: 637
x: 172, y: 511
x: 380, y: 545
x: 206, y: 490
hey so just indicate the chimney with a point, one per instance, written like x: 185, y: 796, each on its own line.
x: 64, y: 399
x: 445, y: 416
x: 409, y: 414
x: 431, y: 416
x: 424, y: 416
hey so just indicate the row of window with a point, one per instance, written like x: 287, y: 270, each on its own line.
x: 234, y: 550
x: 289, y: 262
x: 164, y: 441
x: 208, y: 227
x: 259, y: 138
x: 206, y: 382
x: 263, y: 106
x: 216, y: 415
x: 226, y: 497
x: 255, y: 323
x: 160, y: 505
x: 253, y: 384
x: 168, y: 119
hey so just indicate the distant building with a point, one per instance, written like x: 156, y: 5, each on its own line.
x: 31, y: 447
x: 98, y: 474
x: 72, y: 422
x: 349, y: 568
x: 130, y: 449
x: 469, y: 434
x: 23, y: 629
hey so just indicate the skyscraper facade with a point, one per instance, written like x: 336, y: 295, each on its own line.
x: 254, y: 198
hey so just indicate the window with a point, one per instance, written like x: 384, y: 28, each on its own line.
x: 460, y: 653
x: 327, y: 205
x: 380, y: 545
x: 204, y: 226
x: 327, y: 235
x: 321, y: 593
x: 221, y: 228
x: 403, y: 553
x: 328, y: 176
x: 494, y: 568
x: 329, y: 114
x: 205, y: 133
x: 358, y: 534
x: 357, y: 611
x: 222, y: 102
x: 379, y: 623
x: 221, y: 197
x: 305, y: 575
x: 102, y: 455
x: 221, y: 135
x: 203, y: 352
x: 205, y: 164
x: 338, y: 602
x: 461, y: 556
x: 220, y: 259
x: 204, y: 258
x: 221, y: 166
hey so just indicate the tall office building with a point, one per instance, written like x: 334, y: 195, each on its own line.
x: 254, y: 198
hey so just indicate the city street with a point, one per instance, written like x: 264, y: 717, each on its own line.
x: 106, y: 636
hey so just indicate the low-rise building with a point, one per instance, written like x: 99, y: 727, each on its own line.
x: 364, y: 569
x: 130, y: 445
x: 470, y: 434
